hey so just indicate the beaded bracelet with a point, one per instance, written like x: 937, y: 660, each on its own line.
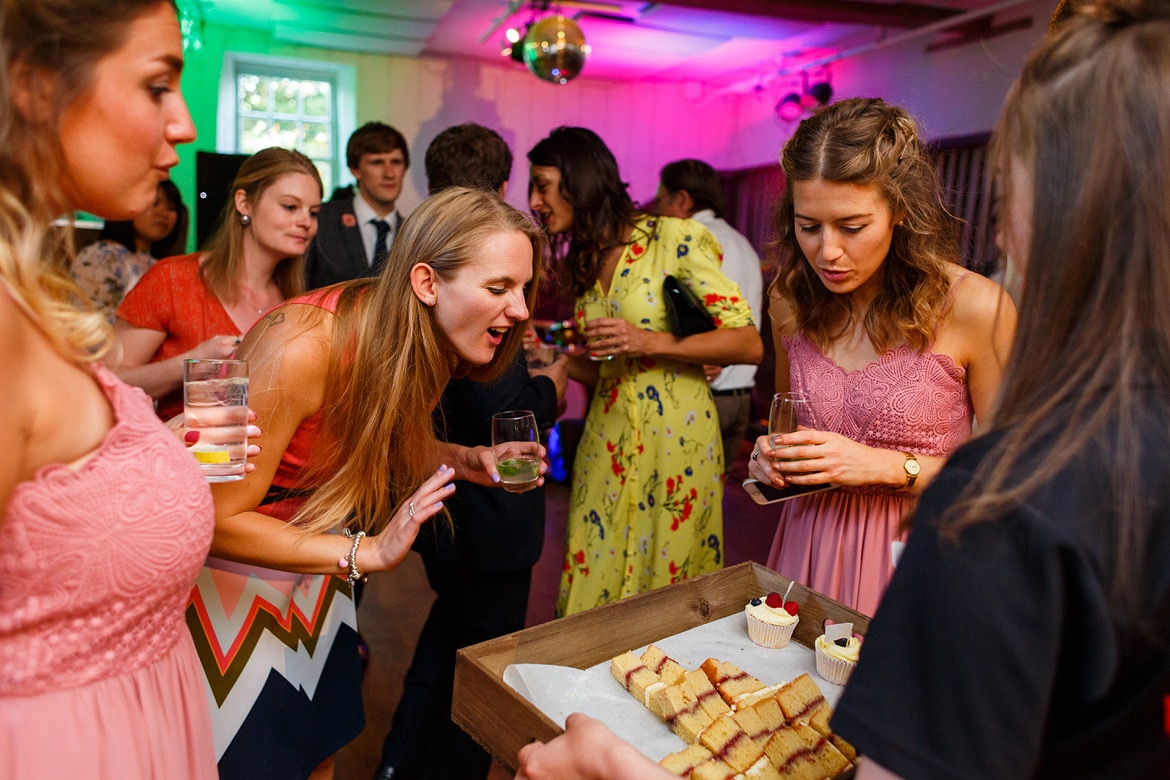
x: 351, y: 561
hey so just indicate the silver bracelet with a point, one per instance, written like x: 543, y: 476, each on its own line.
x: 354, y: 575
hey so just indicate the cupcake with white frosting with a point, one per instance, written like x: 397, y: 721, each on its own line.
x: 771, y: 620
x: 837, y: 652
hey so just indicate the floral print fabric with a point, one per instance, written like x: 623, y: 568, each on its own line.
x: 646, y: 505
x: 105, y: 271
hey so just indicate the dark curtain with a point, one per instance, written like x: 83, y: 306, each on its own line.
x: 752, y: 195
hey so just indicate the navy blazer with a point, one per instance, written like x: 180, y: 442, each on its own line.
x: 338, y: 253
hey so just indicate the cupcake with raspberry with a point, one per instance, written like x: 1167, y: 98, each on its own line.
x: 771, y: 620
x: 837, y: 652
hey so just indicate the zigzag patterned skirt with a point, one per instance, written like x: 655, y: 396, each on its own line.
x: 280, y: 659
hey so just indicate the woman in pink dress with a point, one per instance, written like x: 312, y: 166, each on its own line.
x: 104, y: 517
x: 894, y: 345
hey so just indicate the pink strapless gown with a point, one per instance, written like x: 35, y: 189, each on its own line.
x: 98, y: 674
x: 838, y: 543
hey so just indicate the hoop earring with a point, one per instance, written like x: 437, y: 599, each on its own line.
x: 245, y: 220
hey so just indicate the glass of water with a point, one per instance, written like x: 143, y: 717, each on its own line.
x: 215, y: 403
x: 516, y: 445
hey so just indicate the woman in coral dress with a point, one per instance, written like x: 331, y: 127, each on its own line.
x: 344, y: 381
x: 646, y: 507
x: 104, y: 517
x: 894, y: 345
x: 200, y: 305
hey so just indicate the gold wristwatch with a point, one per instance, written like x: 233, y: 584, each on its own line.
x: 913, y: 469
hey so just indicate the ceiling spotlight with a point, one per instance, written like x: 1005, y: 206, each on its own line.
x: 513, y: 45
x: 789, y: 108
x: 821, y: 92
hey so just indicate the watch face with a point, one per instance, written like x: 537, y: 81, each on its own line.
x: 913, y: 466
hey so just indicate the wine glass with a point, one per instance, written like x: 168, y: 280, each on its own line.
x: 788, y: 409
x: 516, y: 445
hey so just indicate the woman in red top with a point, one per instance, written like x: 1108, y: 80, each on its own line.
x: 199, y: 305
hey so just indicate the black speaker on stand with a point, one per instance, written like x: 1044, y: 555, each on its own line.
x: 214, y: 174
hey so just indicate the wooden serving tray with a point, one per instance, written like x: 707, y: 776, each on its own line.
x: 502, y: 721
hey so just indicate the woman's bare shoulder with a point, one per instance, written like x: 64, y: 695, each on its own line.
x: 779, y: 311
x: 291, y: 343
x: 975, y: 298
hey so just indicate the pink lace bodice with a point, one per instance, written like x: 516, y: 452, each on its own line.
x: 906, y: 400
x: 97, y: 563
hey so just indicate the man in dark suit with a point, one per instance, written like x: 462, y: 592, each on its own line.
x: 481, y: 573
x: 354, y: 234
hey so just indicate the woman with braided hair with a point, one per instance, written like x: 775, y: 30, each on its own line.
x: 894, y: 345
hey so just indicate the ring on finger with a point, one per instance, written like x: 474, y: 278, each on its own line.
x: 410, y: 509
x: 755, y: 454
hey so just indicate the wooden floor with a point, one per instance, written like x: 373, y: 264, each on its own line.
x: 396, y: 603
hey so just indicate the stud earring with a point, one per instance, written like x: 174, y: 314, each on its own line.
x: 430, y: 301
x: 245, y: 220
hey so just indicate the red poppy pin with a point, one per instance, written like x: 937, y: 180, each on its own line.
x: 349, y: 220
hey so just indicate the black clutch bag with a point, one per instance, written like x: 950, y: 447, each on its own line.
x: 686, y: 312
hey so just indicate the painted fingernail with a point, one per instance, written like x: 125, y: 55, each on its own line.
x: 438, y: 505
x: 191, y: 437
x: 495, y: 477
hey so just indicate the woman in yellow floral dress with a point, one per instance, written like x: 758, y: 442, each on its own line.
x: 646, y: 507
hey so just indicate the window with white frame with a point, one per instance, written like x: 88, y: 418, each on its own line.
x: 272, y: 101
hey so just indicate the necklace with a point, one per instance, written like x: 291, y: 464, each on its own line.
x: 248, y: 301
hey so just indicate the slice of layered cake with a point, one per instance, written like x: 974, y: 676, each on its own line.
x: 669, y: 671
x: 800, y: 698
x: 713, y: 769
x: 770, y: 714
x: 709, y: 698
x: 752, y: 725
x: 750, y: 699
x: 680, y: 709
x: 729, y: 679
x: 832, y: 761
x: 728, y: 742
x: 820, y: 721
x: 634, y: 675
x: 761, y: 770
x: 792, y: 756
x: 682, y: 762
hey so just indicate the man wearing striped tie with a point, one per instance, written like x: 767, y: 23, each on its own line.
x: 355, y: 232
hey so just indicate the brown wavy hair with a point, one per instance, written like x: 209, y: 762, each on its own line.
x: 602, y: 207
x: 59, y: 42
x: 868, y: 141
x: 388, y: 366
x: 1089, y: 118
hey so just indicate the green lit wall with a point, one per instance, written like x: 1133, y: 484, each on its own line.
x: 200, y: 84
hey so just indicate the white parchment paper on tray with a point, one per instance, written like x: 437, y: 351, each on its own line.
x: 558, y: 691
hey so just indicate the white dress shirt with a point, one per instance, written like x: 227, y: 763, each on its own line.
x: 366, y: 215
x: 742, y: 266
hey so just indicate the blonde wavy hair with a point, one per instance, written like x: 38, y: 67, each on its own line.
x: 224, y: 265
x: 388, y: 364
x: 55, y: 44
x: 868, y: 141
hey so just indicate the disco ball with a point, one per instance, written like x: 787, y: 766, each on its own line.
x: 555, y: 49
